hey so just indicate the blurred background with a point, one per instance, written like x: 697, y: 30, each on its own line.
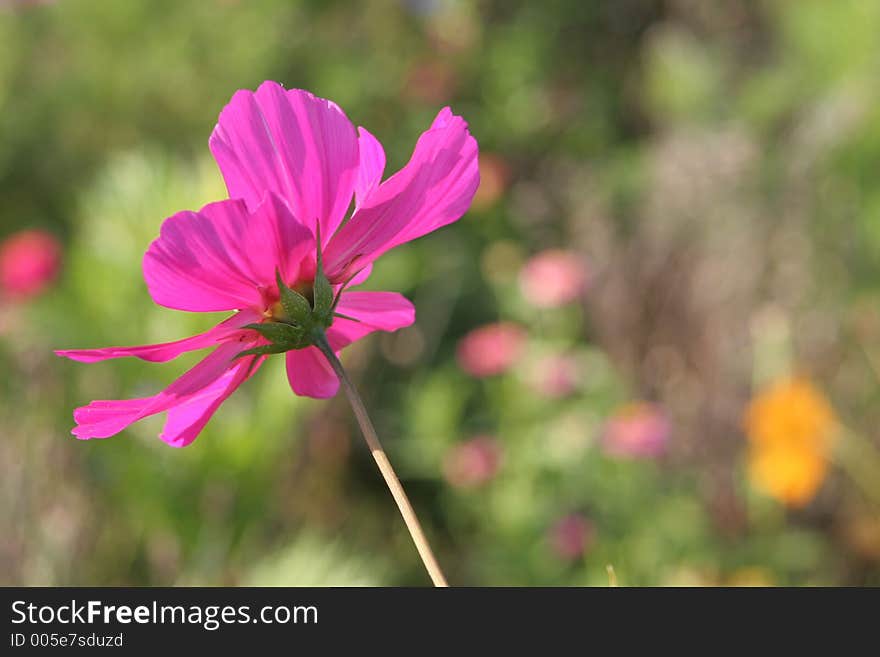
x: 652, y: 344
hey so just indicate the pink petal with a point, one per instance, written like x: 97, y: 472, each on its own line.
x: 275, y: 239
x: 104, y: 418
x: 386, y: 311
x: 159, y: 353
x: 186, y: 420
x: 371, y: 168
x: 375, y: 311
x: 435, y: 188
x: 310, y: 375
x: 345, y: 332
x: 223, y: 257
x: 361, y: 276
x: 295, y: 144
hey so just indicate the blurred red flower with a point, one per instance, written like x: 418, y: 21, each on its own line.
x: 491, y: 349
x: 29, y: 262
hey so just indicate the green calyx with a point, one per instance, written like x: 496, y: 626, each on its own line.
x: 295, y: 321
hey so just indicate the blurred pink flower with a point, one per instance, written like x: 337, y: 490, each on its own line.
x: 571, y: 536
x: 637, y: 430
x: 29, y: 262
x: 491, y: 349
x: 553, y: 278
x: 472, y: 463
x: 292, y: 163
x: 555, y: 376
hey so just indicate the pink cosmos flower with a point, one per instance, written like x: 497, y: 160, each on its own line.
x: 472, y: 463
x: 292, y: 163
x: 491, y: 349
x: 637, y: 430
x: 571, y: 536
x: 29, y: 262
x: 553, y: 278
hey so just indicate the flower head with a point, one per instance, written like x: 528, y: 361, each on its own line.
x: 790, y: 426
x: 278, y: 255
x: 637, y: 430
x: 553, y: 278
x: 29, y: 262
x: 491, y: 349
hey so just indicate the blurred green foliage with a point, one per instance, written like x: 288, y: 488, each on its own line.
x: 715, y: 163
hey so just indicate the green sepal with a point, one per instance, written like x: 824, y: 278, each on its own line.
x: 295, y: 305
x: 278, y: 332
x: 323, y: 291
x: 323, y: 296
x: 262, y: 351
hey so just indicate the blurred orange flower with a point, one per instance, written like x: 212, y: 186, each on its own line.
x: 791, y: 428
x: 494, y: 176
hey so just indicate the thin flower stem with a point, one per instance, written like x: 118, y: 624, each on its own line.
x: 394, y: 485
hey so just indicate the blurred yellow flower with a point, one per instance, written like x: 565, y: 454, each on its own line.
x: 791, y: 427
